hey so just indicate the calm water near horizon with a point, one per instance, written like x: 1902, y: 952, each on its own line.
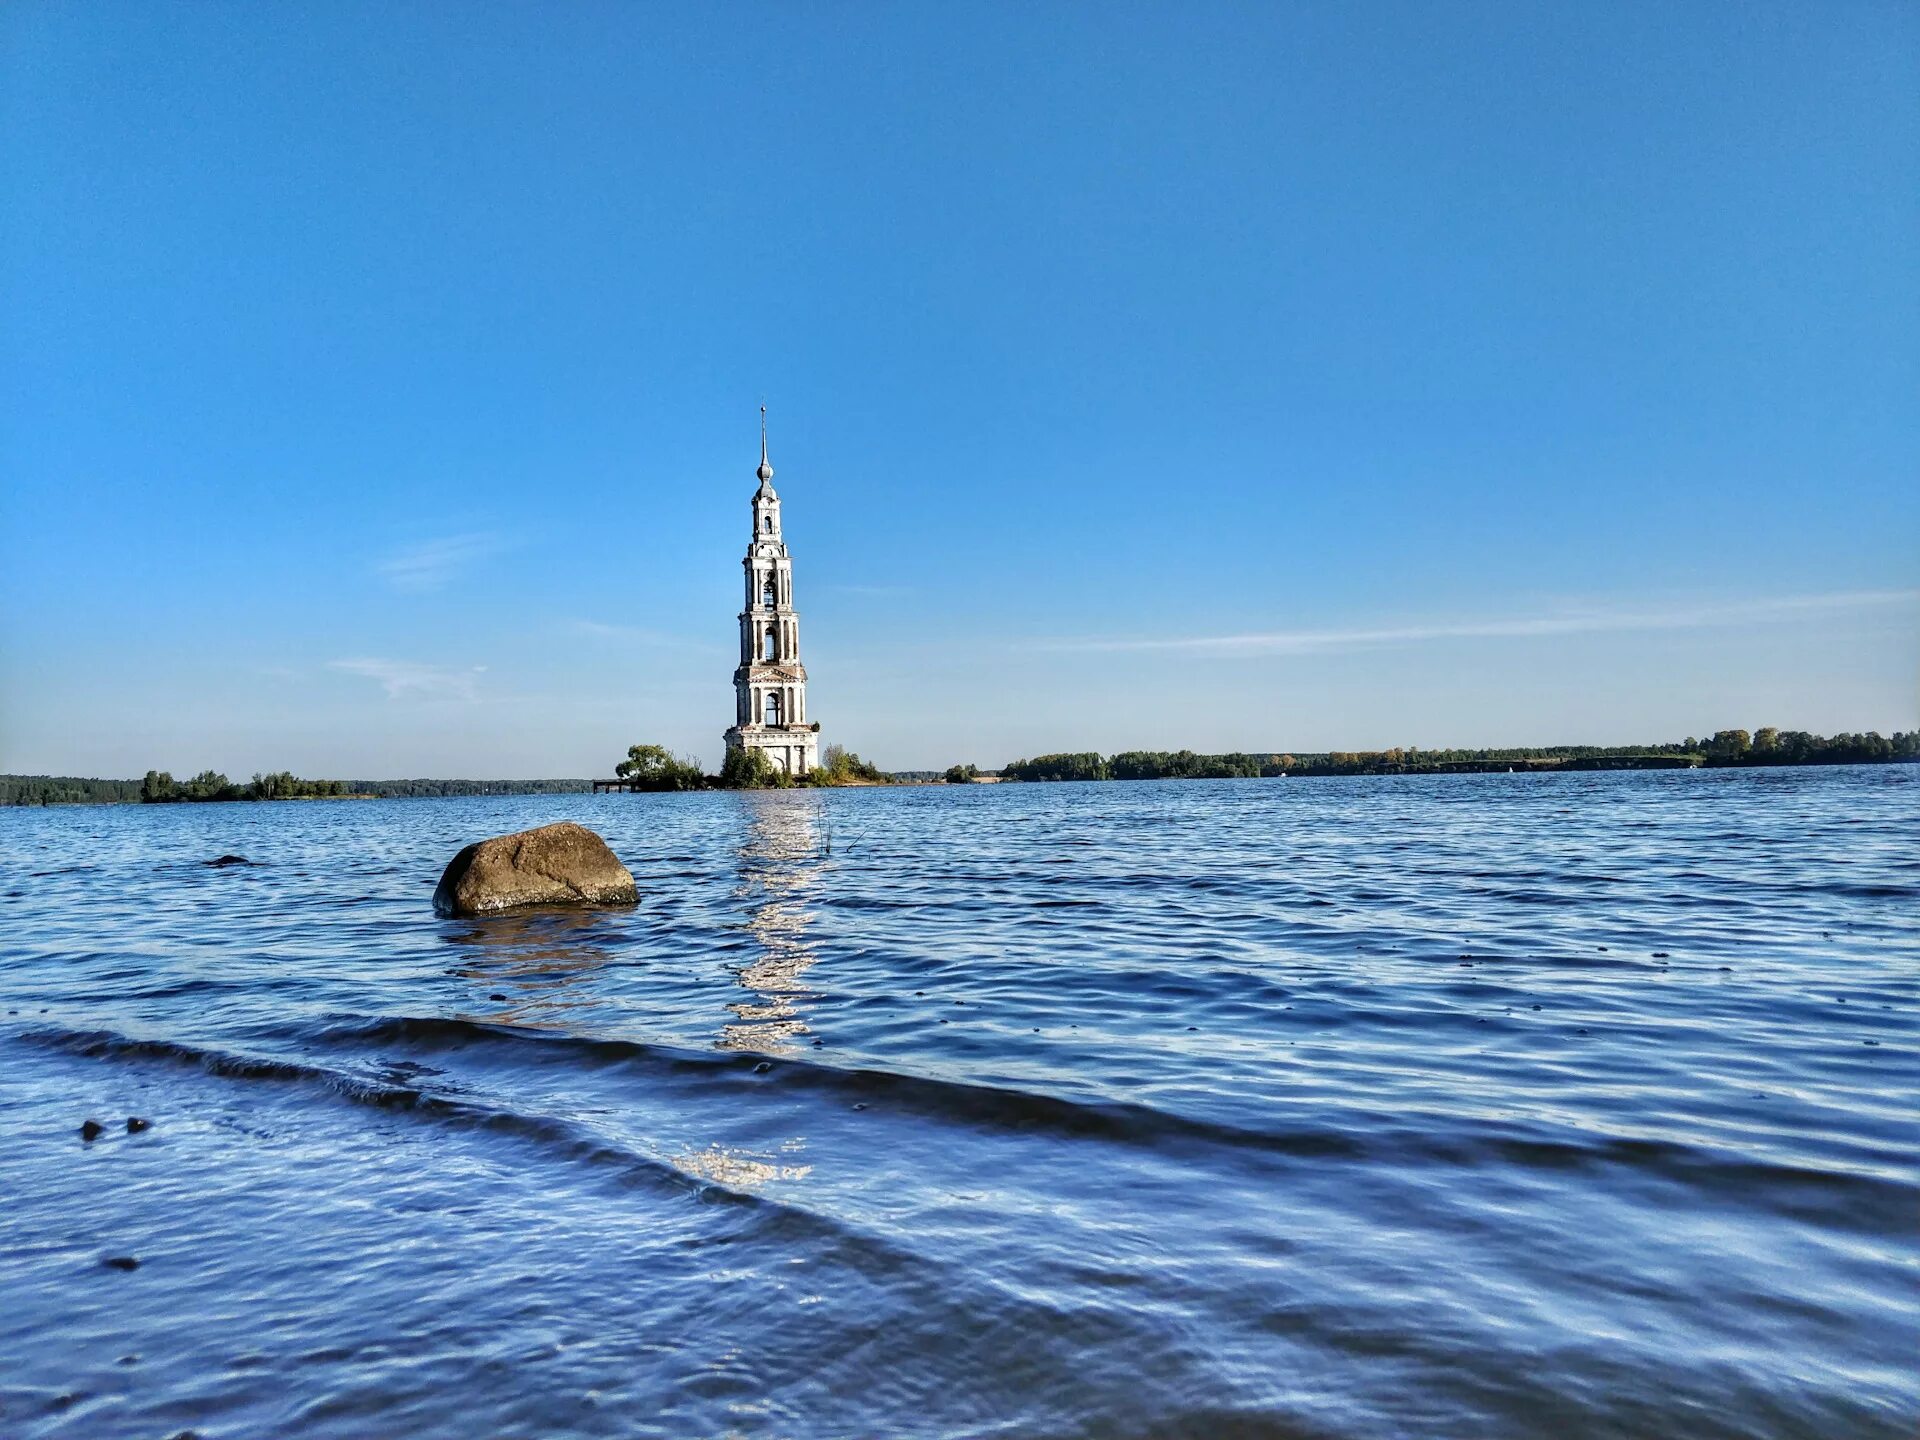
x: 1468, y: 1106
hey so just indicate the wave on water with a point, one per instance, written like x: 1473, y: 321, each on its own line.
x: 566, y: 1140
x: 1363, y: 1138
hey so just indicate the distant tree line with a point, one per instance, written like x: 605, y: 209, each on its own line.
x: 1725, y: 748
x: 1768, y: 746
x: 210, y: 785
x: 283, y: 785
x: 65, y: 790
x: 656, y: 768
x: 160, y: 788
x: 406, y: 789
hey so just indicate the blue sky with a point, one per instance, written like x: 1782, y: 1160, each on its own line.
x: 378, y: 385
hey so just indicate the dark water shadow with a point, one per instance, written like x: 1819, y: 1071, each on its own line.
x: 536, y: 963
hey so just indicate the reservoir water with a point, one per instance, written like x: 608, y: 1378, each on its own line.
x: 1473, y: 1106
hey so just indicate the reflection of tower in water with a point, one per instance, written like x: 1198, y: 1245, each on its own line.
x: 780, y: 857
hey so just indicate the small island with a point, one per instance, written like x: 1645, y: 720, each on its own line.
x: 653, y: 769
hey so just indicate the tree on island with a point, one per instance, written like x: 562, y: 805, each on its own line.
x: 746, y: 768
x: 653, y: 767
x: 840, y: 766
x: 961, y: 774
x: 211, y: 785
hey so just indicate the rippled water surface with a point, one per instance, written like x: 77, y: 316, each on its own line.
x: 1473, y: 1106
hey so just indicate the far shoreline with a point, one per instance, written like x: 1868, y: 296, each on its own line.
x: 506, y: 789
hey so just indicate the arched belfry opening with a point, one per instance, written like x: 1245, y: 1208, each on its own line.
x: 770, y: 685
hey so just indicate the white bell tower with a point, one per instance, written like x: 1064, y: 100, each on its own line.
x: 770, y: 687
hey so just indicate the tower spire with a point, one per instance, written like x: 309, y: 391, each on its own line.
x: 765, y: 472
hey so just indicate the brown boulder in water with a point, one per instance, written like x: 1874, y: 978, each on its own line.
x: 564, y: 864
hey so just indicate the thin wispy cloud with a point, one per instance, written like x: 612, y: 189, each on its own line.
x: 640, y: 634
x: 431, y: 564
x: 1589, y: 620
x: 410, y: 680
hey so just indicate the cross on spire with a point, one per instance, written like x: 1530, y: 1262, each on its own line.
x: 765, y: 472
